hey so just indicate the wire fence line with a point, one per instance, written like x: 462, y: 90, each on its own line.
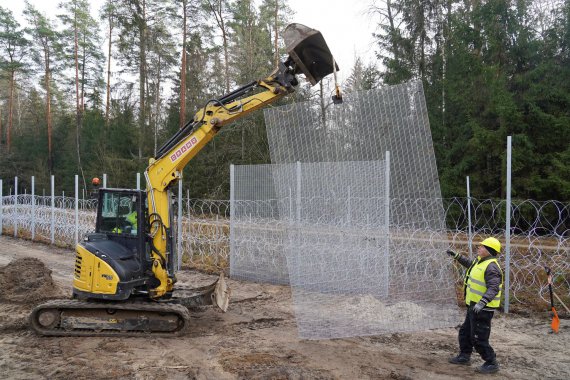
x: 540, y: 232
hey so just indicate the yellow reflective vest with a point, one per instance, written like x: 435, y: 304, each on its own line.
x: 132, y: 219
x: 475, y: 286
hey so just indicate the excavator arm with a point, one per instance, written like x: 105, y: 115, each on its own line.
x: 308, y: 55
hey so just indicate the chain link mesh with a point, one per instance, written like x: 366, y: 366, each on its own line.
x: 392, y: 256
x: 540, y: 235
x: 257, y: 253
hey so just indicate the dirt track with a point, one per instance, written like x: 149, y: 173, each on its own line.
x: 255, y: 339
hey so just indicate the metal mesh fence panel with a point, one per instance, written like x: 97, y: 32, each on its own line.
x: 336, y: 247
x: 257, y: 253
x: 418, y: 291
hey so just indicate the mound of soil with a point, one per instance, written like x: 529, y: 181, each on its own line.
x: 27, y: 280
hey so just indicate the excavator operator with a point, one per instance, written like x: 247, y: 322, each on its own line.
x: 129, y: 224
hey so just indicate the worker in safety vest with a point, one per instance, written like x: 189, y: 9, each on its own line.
x: 131, y: 219
x: 482, y: 289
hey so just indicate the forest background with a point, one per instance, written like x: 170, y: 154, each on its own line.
x: 71, y: 104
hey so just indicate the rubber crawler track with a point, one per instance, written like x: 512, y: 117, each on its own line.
x: 146, y: 309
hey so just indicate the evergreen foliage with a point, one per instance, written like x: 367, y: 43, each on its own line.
x: 490, y: 69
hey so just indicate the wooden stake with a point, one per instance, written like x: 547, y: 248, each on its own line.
x: 559, y: 300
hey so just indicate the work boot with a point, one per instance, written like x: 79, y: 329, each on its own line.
x: 461, y: 359
x: 488, y: 367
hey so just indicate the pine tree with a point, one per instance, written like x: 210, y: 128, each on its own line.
x: 46, y: 41
x: 13, y: 44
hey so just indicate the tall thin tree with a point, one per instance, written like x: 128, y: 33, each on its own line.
x: 183, y: 67
x: 13, y: 44
x: 46, y: 38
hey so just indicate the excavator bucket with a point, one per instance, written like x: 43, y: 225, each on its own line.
x: 309, y: 51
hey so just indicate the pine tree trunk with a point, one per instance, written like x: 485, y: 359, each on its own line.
x: 142, y: 78
x: 275, y: 42
x: 226, y: 59
x: 78, y: 102
x: 183, y: 69
x: 10, y: 112
x: 108, y: 102
x: 48, y: 113
x: 157, y: 103
x: 82, y: 81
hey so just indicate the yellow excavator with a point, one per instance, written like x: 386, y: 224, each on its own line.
x: 124, y: 276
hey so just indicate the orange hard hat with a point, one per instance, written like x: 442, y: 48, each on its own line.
x: 96, y: 181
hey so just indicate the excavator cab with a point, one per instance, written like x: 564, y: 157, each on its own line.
x: 118, y: 212
x: 111, y: 262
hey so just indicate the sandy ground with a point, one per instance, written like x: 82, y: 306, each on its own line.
x: 255, y: 339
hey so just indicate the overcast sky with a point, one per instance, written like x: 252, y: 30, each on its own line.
x: 343, y: 23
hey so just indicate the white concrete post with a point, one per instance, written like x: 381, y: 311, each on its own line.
x: 16, y: 213
x: 179, y: 232
x: 52, y: 223
x: 232, y: 217
x: 33, y: 208
x: 470, y: 233
x: 386, y: 285
x: 76, y: 209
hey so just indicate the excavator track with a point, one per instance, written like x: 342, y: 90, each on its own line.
x: 128, y: 319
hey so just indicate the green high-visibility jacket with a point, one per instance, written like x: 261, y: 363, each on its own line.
x: 475, y: 286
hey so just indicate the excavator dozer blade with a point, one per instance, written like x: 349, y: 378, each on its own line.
x: 308, y: 49
x: 217, y: 293
x: 222, y: 292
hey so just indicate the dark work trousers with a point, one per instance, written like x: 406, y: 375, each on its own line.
x: 475, y: 332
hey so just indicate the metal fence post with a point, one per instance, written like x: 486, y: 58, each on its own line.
x: 469, y: 231
x: 52, y: 223
x: 179, y: 232
x: 508, y: 227
x: 76, y: 209
x: 298, y: 211
x: 232, y: 217
x: 290, y: 205
x: 138, y: 181
x: 15, y: 206
x: 349, y: 209
x: 104, y: 181
x: 387, y: 224
x: 188, y: 204
x: 33, y: 207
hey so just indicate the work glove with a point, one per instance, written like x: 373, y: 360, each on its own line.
x: 452, y: 254
x: 478, y: 307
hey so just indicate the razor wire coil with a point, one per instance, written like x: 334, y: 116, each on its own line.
x: 540, y: 233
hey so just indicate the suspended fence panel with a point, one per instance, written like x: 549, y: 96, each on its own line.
x: 414, y: 278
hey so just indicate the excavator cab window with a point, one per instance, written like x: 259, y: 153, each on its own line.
x: 119, y: 214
